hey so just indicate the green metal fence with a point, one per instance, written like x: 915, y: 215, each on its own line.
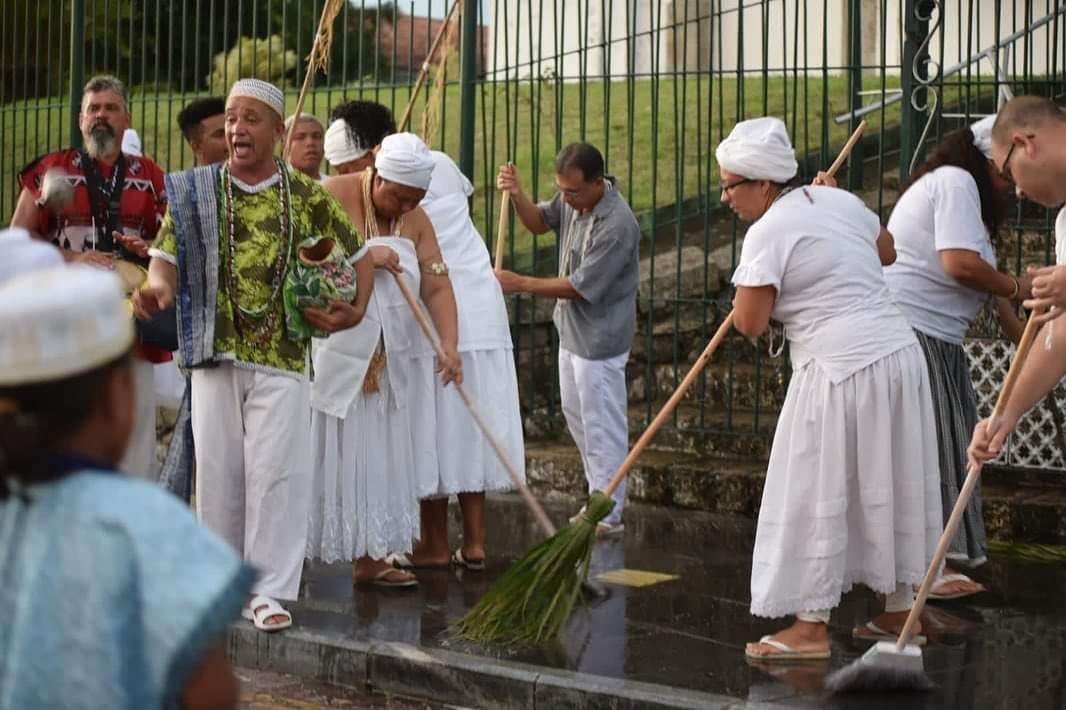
x: 654, y: 83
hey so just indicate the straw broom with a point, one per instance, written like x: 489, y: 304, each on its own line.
x: 533, y: 599
x: 405, y: 118
x: 898, y: 666
x: 318, y: 58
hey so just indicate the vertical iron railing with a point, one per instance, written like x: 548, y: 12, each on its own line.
x: 656, y: 84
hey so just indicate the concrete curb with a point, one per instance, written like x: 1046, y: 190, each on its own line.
x: 449, y: 677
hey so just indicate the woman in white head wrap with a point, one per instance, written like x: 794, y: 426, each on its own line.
x: 364, y: 467
x: 846, y: 499
x: 945, y: 225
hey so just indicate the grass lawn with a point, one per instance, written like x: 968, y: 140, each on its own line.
x: 658, y: 135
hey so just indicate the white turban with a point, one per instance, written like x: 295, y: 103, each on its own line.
x: 19, y: 254
x: 260, y: 91
x: 759, y: 149
x: 982, y: 135
x: 131, y: 143
x: 61, y: 321
x: 405, y: 159
x: 340, y: 147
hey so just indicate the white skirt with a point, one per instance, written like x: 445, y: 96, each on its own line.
x: 852, y: 491
x: 451, y: 454
x: 364, y: 500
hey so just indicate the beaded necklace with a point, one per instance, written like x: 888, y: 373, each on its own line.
x: 371, y: 228
x: 258, y: 325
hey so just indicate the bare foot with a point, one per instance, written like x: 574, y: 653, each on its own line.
x: 366, y: 571
x: 892, y: 622
x: 426, y: 556
x: 802, y: 636
x: 473, y: 553
x: 956, y: 588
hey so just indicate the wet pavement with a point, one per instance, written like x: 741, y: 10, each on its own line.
x: 1003, y: 648
x: 262, y: 690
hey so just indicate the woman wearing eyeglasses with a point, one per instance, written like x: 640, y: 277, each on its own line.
x: 846, y: 499
x: 944, y: 224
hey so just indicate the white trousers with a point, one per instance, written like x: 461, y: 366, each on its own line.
x: 252, y: 434
x: 139, y: 459
x: 593, y: 394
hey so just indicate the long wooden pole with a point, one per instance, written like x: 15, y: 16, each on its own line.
x: 329, y: 13
x: 423, y: 323
x: 973, y: 474
x: 405, y: 119
x: 501, y: 229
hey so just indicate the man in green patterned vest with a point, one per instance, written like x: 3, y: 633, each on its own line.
x: 226, y: 245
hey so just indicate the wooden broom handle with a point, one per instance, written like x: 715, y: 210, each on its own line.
x: 670, y: 405
x: 973, y: 474
x: 405, y: 119
x: 846, y: 150
x: 501, y: 229
x: 423, y: 323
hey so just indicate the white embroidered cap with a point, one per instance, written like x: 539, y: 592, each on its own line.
x: 405, y: 159
x: 759, y: 149
x: 982, y: 135
x: 20, y: 254
x: 340, y: 147
x: 260, y: 90
x: 131, y: 143
x: 60, y: 322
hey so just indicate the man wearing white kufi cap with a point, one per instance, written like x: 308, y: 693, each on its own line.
x: 945, y: 226
x: 365, y: 486
x: 19, y: 254
x: 847, y: 498
x: 228, y: 241
x: 485, y: 347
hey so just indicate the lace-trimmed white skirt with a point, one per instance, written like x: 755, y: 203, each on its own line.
x: 852, y: 492
x: 364, y: 499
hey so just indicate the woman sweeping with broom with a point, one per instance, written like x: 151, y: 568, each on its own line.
x: 847, y: 498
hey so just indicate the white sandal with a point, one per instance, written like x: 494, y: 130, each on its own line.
x: 947, y: 579
x: 262, y: 608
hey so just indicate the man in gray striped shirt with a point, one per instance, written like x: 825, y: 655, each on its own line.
x: 595, y: 311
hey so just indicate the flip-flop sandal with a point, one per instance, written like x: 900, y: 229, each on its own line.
x: 381, y: 579
x: 873, y: 632
x: 472, y: 565
x: 262, y: 608
x: 948, y: 579
x: 404, y: 562
x: 784, y: 652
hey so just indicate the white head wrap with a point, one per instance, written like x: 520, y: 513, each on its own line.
x: 261, y: 91
x: 759, y: 149
x: 60, y: 322
x: 340, y: 147
x: 405, y: 159
x: 19, y: 254
x: 131, y: 143
x: 982, y: 135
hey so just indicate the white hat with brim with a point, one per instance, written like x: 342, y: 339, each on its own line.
x: 61, y: 322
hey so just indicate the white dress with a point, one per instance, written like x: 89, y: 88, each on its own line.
x: 364, y: 493
x: 847, y: 497
x: 463, y: 460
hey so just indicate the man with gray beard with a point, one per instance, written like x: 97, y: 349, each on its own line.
x: 117, y: 208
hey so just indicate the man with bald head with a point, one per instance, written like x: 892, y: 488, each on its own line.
x: 1029, y: 147
x: 228, y: 240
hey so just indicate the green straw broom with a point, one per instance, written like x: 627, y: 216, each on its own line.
x: 533, y: 599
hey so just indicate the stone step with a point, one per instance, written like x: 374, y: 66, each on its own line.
x: 742, y: 383
x: 1018, y: 506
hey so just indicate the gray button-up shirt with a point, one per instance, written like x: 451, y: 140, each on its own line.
x: 600, y: 254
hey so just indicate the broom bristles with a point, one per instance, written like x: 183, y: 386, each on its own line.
x: 533, y: 599
x: 860, y: 677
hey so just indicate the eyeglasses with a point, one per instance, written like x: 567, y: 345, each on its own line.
x: 728, y: 189
x: 1004, y: 169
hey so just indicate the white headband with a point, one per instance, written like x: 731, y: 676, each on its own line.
x: 339, y: 146
x: 405, y: 159
x: 982, y: 135
x: 759, y: 149
x: 260, y: 91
